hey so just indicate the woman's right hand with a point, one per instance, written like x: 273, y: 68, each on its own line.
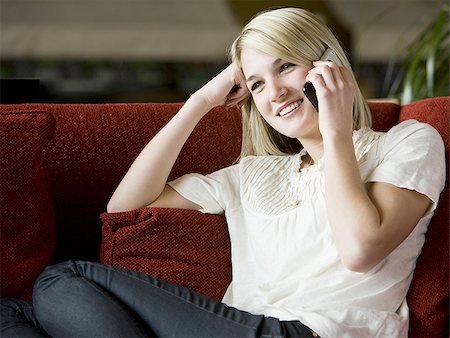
x: 227, y: 88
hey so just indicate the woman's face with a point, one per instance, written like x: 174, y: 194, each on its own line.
x: 277, y: 90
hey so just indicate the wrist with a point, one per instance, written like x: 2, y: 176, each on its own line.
x: 338, y: 143
x: 201, y: 100
x: 335, y: 137
x: 200, y: 104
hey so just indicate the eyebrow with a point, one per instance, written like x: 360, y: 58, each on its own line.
x: 274, y: 65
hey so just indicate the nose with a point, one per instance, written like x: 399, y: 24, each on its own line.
x: 277, y: 91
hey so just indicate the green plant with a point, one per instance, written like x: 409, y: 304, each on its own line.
x: 424, y: 71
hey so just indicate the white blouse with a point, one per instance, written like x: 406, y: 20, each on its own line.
x: 285, y: 263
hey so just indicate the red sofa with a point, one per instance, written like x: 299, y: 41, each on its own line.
x: 60, y: 163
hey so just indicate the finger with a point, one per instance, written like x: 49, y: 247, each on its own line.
x: 239, y: 92
x: 331, y: 74
x: 241, y: 95
x: 235, y: 99
x: 236, y: 102
x: 346, y: 74
x: 337, y: 69
x: 325, y: 63
x: 328, y: 76
x: 342, y: 77
x: 316, y: 79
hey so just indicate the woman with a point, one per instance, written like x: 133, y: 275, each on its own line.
x: 326, y: 217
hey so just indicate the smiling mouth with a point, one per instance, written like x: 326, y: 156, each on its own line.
x: 290, y: 108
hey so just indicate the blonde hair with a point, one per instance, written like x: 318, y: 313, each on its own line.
x: 299, y: 37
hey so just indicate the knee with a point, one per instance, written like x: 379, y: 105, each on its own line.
x: 12, y: 308
x: 51, y: 286
x: 52, y: 278
x: 14, y: 314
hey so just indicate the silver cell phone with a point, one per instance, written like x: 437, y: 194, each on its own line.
x: 308, y: 89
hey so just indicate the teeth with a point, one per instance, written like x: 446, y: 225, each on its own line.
x: 290, y: 108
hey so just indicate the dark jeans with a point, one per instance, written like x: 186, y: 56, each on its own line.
x: 83, y: 299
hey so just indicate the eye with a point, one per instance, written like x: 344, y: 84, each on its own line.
x: 286, y: 66
x: 255, y: 86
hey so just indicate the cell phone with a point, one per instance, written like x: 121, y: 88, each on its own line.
x: 308, y: 89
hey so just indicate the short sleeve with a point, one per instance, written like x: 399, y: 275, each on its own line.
x: 214, y: 192
x: 411, y: 155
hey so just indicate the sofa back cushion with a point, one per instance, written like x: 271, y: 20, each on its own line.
x: 185, y: 247
x: 428, y: 296
x: 384, y: 115
x: 28, y: 235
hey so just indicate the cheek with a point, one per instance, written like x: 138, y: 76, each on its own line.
x: 262, y: 104
x: 300, y: 77
x: 264, y: 110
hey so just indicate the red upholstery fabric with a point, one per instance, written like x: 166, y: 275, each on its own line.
x: 181, y: 246
x: 384, y: 115
x: 429, y: 298
x: 93, y: 147
x: 26, y: 214
x: 435, y: 111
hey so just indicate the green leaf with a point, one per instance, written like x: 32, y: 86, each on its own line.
x: 425, y: 68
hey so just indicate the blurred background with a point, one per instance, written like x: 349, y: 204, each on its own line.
x: 162, y: 50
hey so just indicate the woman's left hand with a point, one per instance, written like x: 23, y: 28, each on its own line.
x: 335, y: 92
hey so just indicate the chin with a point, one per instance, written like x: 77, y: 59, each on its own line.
x: 289, y: 133
x: 299, y: 128
x: 292, y: 134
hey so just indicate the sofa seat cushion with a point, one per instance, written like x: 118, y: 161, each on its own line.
x: 28, y: 235
x: 159, y: 242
